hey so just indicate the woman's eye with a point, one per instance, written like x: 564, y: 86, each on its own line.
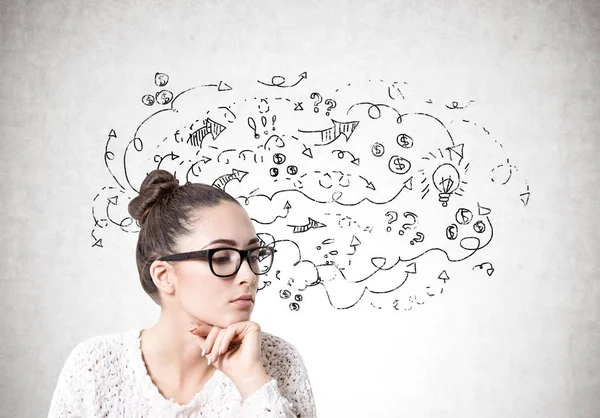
x: 220, y: 260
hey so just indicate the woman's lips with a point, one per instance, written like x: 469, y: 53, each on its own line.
x: 243, y: 303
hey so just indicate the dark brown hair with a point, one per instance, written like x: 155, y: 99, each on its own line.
x: 165, y: 211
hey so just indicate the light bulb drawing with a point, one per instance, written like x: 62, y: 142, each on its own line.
x: 446, y: 179
x: 305, y: 179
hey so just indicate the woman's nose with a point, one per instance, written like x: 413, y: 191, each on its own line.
x: 245, y: 273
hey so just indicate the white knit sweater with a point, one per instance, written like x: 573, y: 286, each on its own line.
x: 105, y: 376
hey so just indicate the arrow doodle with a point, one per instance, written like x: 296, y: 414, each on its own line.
x: 345, y: 220
x: 331, y: 134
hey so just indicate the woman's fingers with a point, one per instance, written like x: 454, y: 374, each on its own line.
x: 219, y: 341
x: 216, y: 350
x: 210, y: 341
x: 228, y: 335
x: 201, y: 330
x: 225, y: 340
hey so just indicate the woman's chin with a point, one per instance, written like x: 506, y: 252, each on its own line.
x: 239, y: 316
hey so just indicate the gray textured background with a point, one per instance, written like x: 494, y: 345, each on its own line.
x: 525, y: 344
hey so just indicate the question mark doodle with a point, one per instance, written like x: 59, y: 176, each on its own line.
x: 332, y: 103
x: 394, y: 218
x: 420, y: 237
x: 323, y: 235
x: 408, y: 225
x: 318, y: 102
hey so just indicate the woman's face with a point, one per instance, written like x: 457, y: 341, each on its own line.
x: 204, y: 296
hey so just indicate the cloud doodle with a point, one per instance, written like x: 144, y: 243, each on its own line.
x: 374, y: 201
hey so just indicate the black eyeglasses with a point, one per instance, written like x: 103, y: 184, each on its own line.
x: 225, y: 262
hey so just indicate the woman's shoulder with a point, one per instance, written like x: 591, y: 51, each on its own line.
x: 278, y: 354
x: 274, y: 344
x: 101, y: 350
x: 93, y: 359
x: 102, y: 344
x: 283, y: 362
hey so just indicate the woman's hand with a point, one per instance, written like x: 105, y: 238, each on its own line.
x: 235, y: 351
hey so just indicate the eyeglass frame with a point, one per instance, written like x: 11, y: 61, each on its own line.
x: 208, y: 254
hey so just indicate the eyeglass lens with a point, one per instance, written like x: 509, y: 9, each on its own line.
x: 226, y: 262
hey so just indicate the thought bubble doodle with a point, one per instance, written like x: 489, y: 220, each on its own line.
x: 369, y: 200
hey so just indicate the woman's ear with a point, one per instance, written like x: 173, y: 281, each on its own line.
x: 162, y: 273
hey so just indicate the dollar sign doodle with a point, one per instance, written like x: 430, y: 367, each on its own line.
x: 377, y: 149
x: 404, y: 141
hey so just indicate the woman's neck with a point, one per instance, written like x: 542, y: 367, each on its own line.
x: 173, y: 355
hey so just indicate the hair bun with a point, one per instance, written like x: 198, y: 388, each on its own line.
x: 157, y: 185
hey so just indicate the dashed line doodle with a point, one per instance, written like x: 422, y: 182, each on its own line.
x: 373, y: 195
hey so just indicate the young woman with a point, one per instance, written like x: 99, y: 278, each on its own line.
x: 198, y: 257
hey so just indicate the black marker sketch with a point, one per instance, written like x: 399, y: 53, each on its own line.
x: 502, y: 173
x: 222, y: 86
x: 420, y: 237
x: 446, y: 180
x: 378, y: 149
x: 489, y: 268
x: 317, y: 102
x: 148, y: 99
x: 161, y: 79
x: 399, y: 165
x: 525, y: 196
x: 209, y: 127
x: 327, y: 177
x: 394, y: 91
x: 455, y: 105
x: 279, y: 81
x: 452, y: 232
x: 162, y: 97
x: 329, y: 135
x: 463, y: 216
x: 404, y: 141
x: 330, y: 105
x: 408, y: 225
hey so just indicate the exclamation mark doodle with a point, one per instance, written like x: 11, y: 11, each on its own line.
x: 263, y: 119
x: 274, y: 118
x: 327, y: 242
x: 252, y: 125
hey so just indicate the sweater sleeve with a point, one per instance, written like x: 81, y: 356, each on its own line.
x: 267, y: 402
x: 289, y: 393
x: 68, y: 399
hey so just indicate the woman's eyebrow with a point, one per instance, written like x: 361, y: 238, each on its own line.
x: 230, y: 242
